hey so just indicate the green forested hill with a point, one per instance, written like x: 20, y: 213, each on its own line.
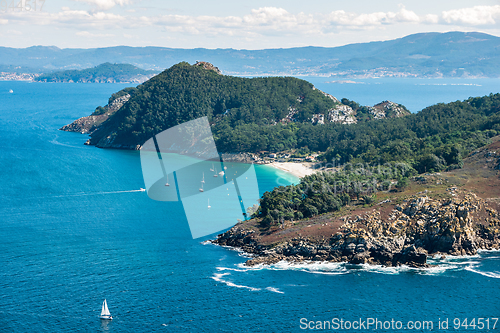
x: 250, y: 115
x: 185, y: 92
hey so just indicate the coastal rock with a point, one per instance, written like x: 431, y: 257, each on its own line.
x: 413, y: 230
x: 89, y: 124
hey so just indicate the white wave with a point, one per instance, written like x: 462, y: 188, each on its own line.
x: 453, y: 258
x: 438, y: 266
x: 436, y: 269
x: 244, y: 254
x: 342, y: 268
x: 390, y: 270
x: 495, y: 275
x: 274, y: 290
x: 218, y: 277
x: 315, y: 267
x: 488, y: 251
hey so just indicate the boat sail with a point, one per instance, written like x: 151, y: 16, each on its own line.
x: 105, y: 312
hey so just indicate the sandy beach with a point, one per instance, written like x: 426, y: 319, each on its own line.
x: 297, y: 169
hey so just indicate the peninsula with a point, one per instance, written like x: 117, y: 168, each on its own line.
x: 448, y: 213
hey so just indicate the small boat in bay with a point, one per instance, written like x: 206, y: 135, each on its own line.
x: 105, y: 315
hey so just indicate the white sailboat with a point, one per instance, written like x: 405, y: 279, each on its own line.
x: 209, y: 204
x: 11, y: 91
x: 215, y: 170
x: 201, y: 188
x: 105, y: 312
x: 212, y: 169
x: 203, y: 178
x: 167, y: 184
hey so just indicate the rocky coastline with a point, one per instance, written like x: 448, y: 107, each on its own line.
x: 406, y: 235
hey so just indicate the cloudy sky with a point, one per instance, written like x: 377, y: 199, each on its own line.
x: 235, y: 24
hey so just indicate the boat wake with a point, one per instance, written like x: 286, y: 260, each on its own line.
x: 84, y: 194
x: 219, y: 278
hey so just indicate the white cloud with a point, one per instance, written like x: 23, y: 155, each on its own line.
x: 105, y: 4
x: 431, y: 19
x: 343, y: 18
x: 92, y: 35
x: 478, y: 15
x: 257, y: 25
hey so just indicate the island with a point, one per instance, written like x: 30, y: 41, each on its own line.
x: 104, y: 73
x: 246, y: 114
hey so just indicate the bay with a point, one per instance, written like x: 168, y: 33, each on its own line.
x: 414, y: 93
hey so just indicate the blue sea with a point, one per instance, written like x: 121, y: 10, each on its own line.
x: 75, y: 229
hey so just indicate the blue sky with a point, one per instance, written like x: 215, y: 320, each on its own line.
x: 235, y: 24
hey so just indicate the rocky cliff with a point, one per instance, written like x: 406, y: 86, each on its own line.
x: 345, y: 114
x: 87, y: 125
x: 408, y: 234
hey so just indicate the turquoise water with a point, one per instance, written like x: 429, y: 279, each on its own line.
x: 74, y: 229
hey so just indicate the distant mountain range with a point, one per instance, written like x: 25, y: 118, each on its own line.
x: 452, y: 54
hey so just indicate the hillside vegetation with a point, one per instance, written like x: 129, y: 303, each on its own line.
x: 274, y: 114
x: 184, y: 92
